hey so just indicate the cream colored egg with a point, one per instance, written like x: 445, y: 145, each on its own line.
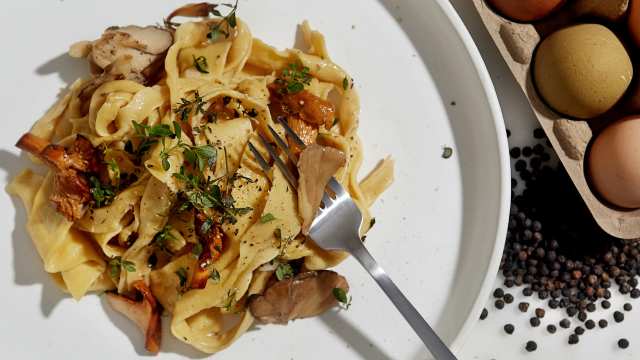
x: 582, y: 71
x: 614, y: 163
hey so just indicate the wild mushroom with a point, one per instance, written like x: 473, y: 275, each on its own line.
x: 144, y: 313
x: 211, y: 240
x: 71, y: 191
x: 316, y: 165
x: 131, y: 52
x: 305, y: 295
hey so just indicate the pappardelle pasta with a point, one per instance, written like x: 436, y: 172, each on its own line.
x: 153, y: 196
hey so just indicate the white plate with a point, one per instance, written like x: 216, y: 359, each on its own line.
x: 440, y: 227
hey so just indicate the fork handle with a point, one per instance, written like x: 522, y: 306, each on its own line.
x: 435, y: 345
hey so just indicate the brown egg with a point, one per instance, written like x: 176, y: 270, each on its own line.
x: 525, y: 10
x: 582, y: 71
x: 614, y: 163
x: 634, y: 21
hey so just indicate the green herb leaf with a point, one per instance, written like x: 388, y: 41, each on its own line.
x: 102, y: 194
x: 293, y: 78
x: 140, y: 129
x: 177, y: 130
x: 166, y: 165
x: 345, y: 83
x: 196, y: 250
x: 215, y: 276
x: 200, y: 63
x: 114, y: 267
x: 129, y: 266
x: 267, y: 218
x: 342, y: 297
x: 229, y: 21
x: 160, y: 130
x: 284, y: 271
x: 182, y: 275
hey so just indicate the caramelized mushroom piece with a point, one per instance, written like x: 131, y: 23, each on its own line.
x: 211, y: 240
x: 307, y: 294
x: 302, y: 104
x: 71, y: 191
x: 145, y: 313
x: 202, y: 9
x: 131, y: 52
x: 316, y: 165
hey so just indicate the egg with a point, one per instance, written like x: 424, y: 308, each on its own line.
x: 582, y: 70
x: 634, y: 21
x: 525, y: 10
x: 614, y: 163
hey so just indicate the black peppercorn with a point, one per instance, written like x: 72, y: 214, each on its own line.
x: 602, y: 323
x: 579, y: 330
x: 618, y: 316
x: 582, y: 316
x: 534, y: 321
x: 538, y: 133
x: 484, y: 314
x: 635, y: 293
x: 591, y: 307
x: 590, y: 324
x: 623, y: 343
x: 531, y: 346
x: 498, y: 293
x: 499, y: 304
x: 627, y: 307
x: 551, y: 329
x: 523, y: 306
x: 515, y: 152
x: 573, y: 339
x: 509, y: 328
x: 605, y: 304
x: 565, y: 323
x: 508, y: 298
x: 572, y: 311
x: 540, y: 313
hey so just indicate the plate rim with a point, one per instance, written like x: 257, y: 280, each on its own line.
x: 505, y: 171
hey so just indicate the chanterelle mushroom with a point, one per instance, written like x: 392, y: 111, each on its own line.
x: 71, y: 191
x: 306, y: 295
x: 145, y: 313
x: 136, y: 52
x: 316, y: 165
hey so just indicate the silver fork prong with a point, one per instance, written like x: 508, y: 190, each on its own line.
x: 261, y: 160
x: 291, y: 133
x: 326, y: 200
x: 283, y: 145
x: 281, y: 165
x: 335, y: 186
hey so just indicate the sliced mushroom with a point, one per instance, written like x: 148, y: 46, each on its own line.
x: 307, y: 294
x: 71, y: 191
x: 202, y: 9
x: 316, y: 165
x: 303, y: 104
x: 211, y: 240
x: 131, y: 52
x: 144, y: 313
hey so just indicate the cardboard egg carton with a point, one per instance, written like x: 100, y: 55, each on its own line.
x: 517, y: 42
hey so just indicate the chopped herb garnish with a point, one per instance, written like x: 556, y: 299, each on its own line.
x: 293, y: 79
x: 102, y: 194
x: 267, y: 218
x: 447, y: 152
x: 161, y: 238
x: 345, y: 83
x: 215, y: 275
x: 224, y: 26
x: 200, y: 64
x: 196, y: 250
x: 342, y: 297
x: 231, y: 300
x: 114, y: 169
x: 182, y: 276
x: 284, y: 271
x: 116, y: 263
x: 187, y: 107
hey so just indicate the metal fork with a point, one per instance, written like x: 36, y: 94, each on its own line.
x: 337, y: 227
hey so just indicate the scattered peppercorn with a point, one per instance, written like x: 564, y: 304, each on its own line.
x: 591, y: 307
x: 509, y: 328
x: 498, y: 293
x: 602, y: 323
x: 531, y: 346
x: 605, y: 304
x: 534, y: 321
x: 590, y: 324
x: 484, y: 314
x: 573, y: 339
x: 623, y: 343
x: 508, y: 298
x: 579, y: 330
x: 627, y: 307
x: 540, y: 313
x: 618, y: 316
x: 499, y: 304
x: 551, y: 329
x: 565, y: 323
x: 523, y: 306
x: 538, y: 133
x: 582, y: 316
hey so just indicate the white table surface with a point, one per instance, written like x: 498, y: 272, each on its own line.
x: 488, y: 340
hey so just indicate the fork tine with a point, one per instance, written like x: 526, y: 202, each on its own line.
x: 335, y: 186
x: 326, y: 200
x: 282, y: 145
x: 283, y: 168
x: 292, y: 134
x: 261, y: 161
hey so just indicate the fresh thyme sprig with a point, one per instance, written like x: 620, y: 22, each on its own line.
x: 293, y: 79
x: 187, y: 107
x: 224, y: 26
